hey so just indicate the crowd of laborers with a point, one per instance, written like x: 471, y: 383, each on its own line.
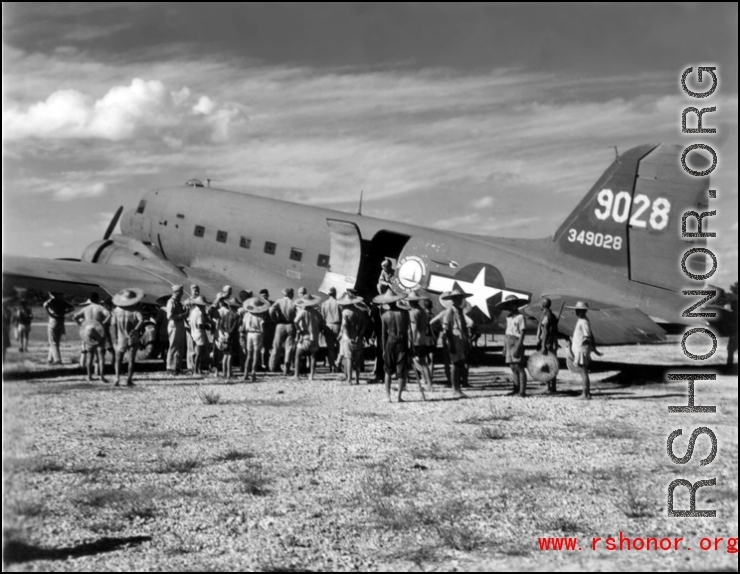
x: 255, y: 333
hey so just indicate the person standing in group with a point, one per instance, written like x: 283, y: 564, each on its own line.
x: 582, y: 345
x: 419, y: 328
x: 194, y: 294
x: 176, y: 315
x: 93, y: 312
x: 309, y: 324
x: 7, y: 322
x: 228, y: 333
x: 268, y: 332
x: 547, y: 336
x: 283, y: 312
x: 332, y: 315
x: 199, y: 324
x: 395, y: 337
x: 457, y: 337
x: 254, y: 326
x: 241, y: 347
x: 428, y: 306
x: 25, y: 318
x: 56, y: 308
x: 126, y: 324
x: 514, y: 342
x: 350, y: 337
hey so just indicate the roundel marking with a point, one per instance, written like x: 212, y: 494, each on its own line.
x: 411, y: 270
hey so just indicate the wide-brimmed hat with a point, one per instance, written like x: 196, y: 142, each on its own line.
x: 415, y: 296
x: 234, y: 303
x: 511, y: 301
x: 457, y: 292
x: 92, y: 332
x: 348, y: 300
x: 199, y: 300
x: 128, y: 297
x: 351, y: 292
x: 389, y: 297
x: 543, y: 368
x: 256, y: 305
x: 580, y: 305
x: 308, y: 301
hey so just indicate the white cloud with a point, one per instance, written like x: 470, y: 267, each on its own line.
x: 122, y: 113
x: 69, y: 192
x: 483, y: 202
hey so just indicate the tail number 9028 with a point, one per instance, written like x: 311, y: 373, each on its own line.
x: 618, y: 208
x: 605, y: 241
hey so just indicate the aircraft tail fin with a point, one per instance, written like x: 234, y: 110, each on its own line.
x: 630, y: 220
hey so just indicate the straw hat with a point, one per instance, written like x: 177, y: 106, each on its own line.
x: 581, y: 305
x: 543, y: 368
x: 511, y: 301
x: 92, y: 332
x: 457, y: 292
x: 128, y: 297
x: 308, y: 301
x: 256, y: 305
x: 348, y: 300
x: 389, y: 297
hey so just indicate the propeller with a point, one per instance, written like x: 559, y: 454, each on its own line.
x: 113, y: 223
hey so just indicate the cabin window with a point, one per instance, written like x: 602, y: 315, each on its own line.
x: 245, y: 242
x: 270, y: 247
x: 221, y: 236
x: 323, y: 261
x: 142, y: 206
x: 296, y: 254
x: 199, y: 231
x: 180, y: 216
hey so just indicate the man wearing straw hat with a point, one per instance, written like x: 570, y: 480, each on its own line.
x: 253, y: 323
x: 228, y: 333
x: 419, y: 322
x: 176, y: 315
x: 199, y: 324
x: 395, y: 337
x: 283, y: 312
x: 127, y: 323
x: 332, y: 315
x: 268, y: 333
x: 386, y: 276
x: 514, y: 342
x: 457, y: 336
x: 350, y: 336
x: 92, y: 319
x: 582, y: 345
x: 309, y: 323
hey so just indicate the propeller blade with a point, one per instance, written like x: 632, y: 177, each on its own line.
x: 113, y: 223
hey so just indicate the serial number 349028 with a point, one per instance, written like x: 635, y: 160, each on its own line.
x: 605, y: 241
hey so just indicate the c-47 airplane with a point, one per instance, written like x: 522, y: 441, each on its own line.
x: 620, y: 250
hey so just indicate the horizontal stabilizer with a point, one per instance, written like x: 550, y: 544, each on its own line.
x: 610, y: 325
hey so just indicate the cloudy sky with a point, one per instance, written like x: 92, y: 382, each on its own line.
x: 488, y: 118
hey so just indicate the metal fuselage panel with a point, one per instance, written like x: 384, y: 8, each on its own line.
x: 228, y: 221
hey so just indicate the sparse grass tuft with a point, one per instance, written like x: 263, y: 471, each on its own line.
x: 566, y: 525
x: 535, y: 479
x: 494, y: 414
x: 634, y: 503
x: 235, y: 454
x: 619, y: 432
x: 210, y: 397
x: 179, y: 464
x: 26, y: 508
x: 491, y: 433
x: 37, y: 465
x: 253, y: 481
x: 451, y: 522
x: 432, y: 451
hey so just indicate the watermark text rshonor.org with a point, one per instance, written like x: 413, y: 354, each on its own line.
x: 703, y: 73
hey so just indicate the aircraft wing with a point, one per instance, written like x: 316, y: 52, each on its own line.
x: 610, y: 325
x: 79, y: 278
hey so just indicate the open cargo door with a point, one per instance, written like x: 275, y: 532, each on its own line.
x: 344, y: 258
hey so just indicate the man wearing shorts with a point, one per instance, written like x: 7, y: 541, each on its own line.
x: 253, y: 324
x: 582, y: 345
x: 94, y: 311
x: 127, y: 323
x: 514, y: 343
x: 309, y: 323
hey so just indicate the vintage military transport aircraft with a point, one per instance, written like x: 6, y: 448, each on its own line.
x: 620, y: 250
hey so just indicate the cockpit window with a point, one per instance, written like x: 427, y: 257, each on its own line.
x: 142, y: 205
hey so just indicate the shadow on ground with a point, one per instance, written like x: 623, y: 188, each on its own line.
x: 15, y: 551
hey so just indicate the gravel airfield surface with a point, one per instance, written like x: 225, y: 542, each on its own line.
x: 187, y: 474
